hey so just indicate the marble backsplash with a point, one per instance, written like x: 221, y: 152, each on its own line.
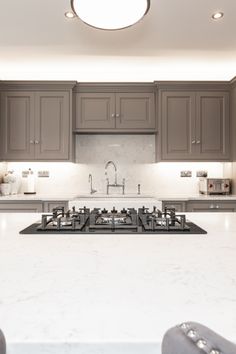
x: 134, y: 156
x: 121, y: 148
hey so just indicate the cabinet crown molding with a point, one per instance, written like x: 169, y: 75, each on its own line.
x: 193, y: 85
x: 37, y: 85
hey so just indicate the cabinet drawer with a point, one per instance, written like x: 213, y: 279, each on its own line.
x: 21, y: 207
x: 211, y: 206
x: 48, y: 206
x: 179, y: 206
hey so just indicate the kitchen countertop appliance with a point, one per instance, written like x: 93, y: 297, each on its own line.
x: 215, y: 186
x: 102, y: 221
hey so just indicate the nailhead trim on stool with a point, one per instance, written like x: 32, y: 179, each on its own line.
x: 194, y: 336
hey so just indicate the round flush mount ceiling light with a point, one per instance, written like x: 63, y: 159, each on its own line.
x: 110, y: 14
x: 217, y: 15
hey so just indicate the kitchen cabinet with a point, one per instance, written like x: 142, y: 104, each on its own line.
x: 114, y: 110
x: 194, y: 125
x: 49, y: 205
x: 37, y: 206
x: 36, y: 125
x: 211, y: 206
x: 179, y: 206
x: 21, y: 207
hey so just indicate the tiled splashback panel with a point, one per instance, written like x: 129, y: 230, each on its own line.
x: 122, y: 149
x: 134, y: 156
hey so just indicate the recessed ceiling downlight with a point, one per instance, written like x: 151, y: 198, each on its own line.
x: 110, y: 14
x: 69, y: 14
x: 217, y: 15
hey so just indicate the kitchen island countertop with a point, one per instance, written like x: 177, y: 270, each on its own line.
x: 113, y: 294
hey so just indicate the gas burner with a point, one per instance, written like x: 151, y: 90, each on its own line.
x: 126, y: 221
x: 166, y: 221
x: 59, y: 220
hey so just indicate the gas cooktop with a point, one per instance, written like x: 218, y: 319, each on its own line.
x: 102, y: 221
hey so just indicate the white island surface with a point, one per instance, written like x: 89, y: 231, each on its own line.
x: 113, y: 294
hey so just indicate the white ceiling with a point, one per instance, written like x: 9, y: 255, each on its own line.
x: 177, y: 39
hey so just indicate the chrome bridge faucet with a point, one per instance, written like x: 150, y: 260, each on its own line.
x: 90, y: 179
x: 114, y: 184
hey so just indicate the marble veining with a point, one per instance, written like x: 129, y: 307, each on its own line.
x: 113, y: 293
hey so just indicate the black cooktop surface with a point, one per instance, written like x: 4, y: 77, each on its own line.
x: 102, y: 221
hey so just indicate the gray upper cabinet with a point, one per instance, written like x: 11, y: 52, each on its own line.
x: 36, y: 124
x: 194, y: 126
x: 52, y: 125
x: 115, y: 108
x: 135, y: 111
x: 178, y: 125
x: 95, y: 111
x: 212, y: 129
x: 17, y: 125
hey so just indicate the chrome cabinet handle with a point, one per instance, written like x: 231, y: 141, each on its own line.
x: 198, y: 141
x: 193, y: 141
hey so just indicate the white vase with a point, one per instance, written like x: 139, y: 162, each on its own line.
x: 5, y: 188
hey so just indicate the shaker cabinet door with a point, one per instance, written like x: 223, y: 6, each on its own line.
x: 52, y: 125
x: 135, y: 111
x: 95, y: 111
x: 17, y: 125
x: 212, y: 125
x: 178, y: 125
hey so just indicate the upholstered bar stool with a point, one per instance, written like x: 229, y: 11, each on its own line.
x: 2, y: 343
x: 194, y: 338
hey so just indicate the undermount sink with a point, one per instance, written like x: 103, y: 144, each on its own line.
x: 114, y: 200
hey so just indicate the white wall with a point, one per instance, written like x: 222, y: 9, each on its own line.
x: 134, y: 156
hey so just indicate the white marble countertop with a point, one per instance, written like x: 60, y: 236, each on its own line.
x: 97, y: 196
x: 113, y: 294
x: 37, y: 197
x: 182, y: 197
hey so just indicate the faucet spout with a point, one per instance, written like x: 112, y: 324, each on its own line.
x: 115, y: 169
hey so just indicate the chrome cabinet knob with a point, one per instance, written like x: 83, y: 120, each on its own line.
x: 193, y: 141
x: 217, y: 206
x: 198, y: 141
x: 117, y: 115
x: 36, y: 142
x: 211, y: 206
x: 31, y: 141
x: 113, y: 115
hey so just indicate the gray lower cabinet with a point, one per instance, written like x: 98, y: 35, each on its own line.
x: 179, y: 206
x: 211, y: 206
x: 24, y: 206
x: 194, y: 125
x: 115, y: 111
x: 49, y: 205
x: 21, y: 207
x: 35, y: 126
